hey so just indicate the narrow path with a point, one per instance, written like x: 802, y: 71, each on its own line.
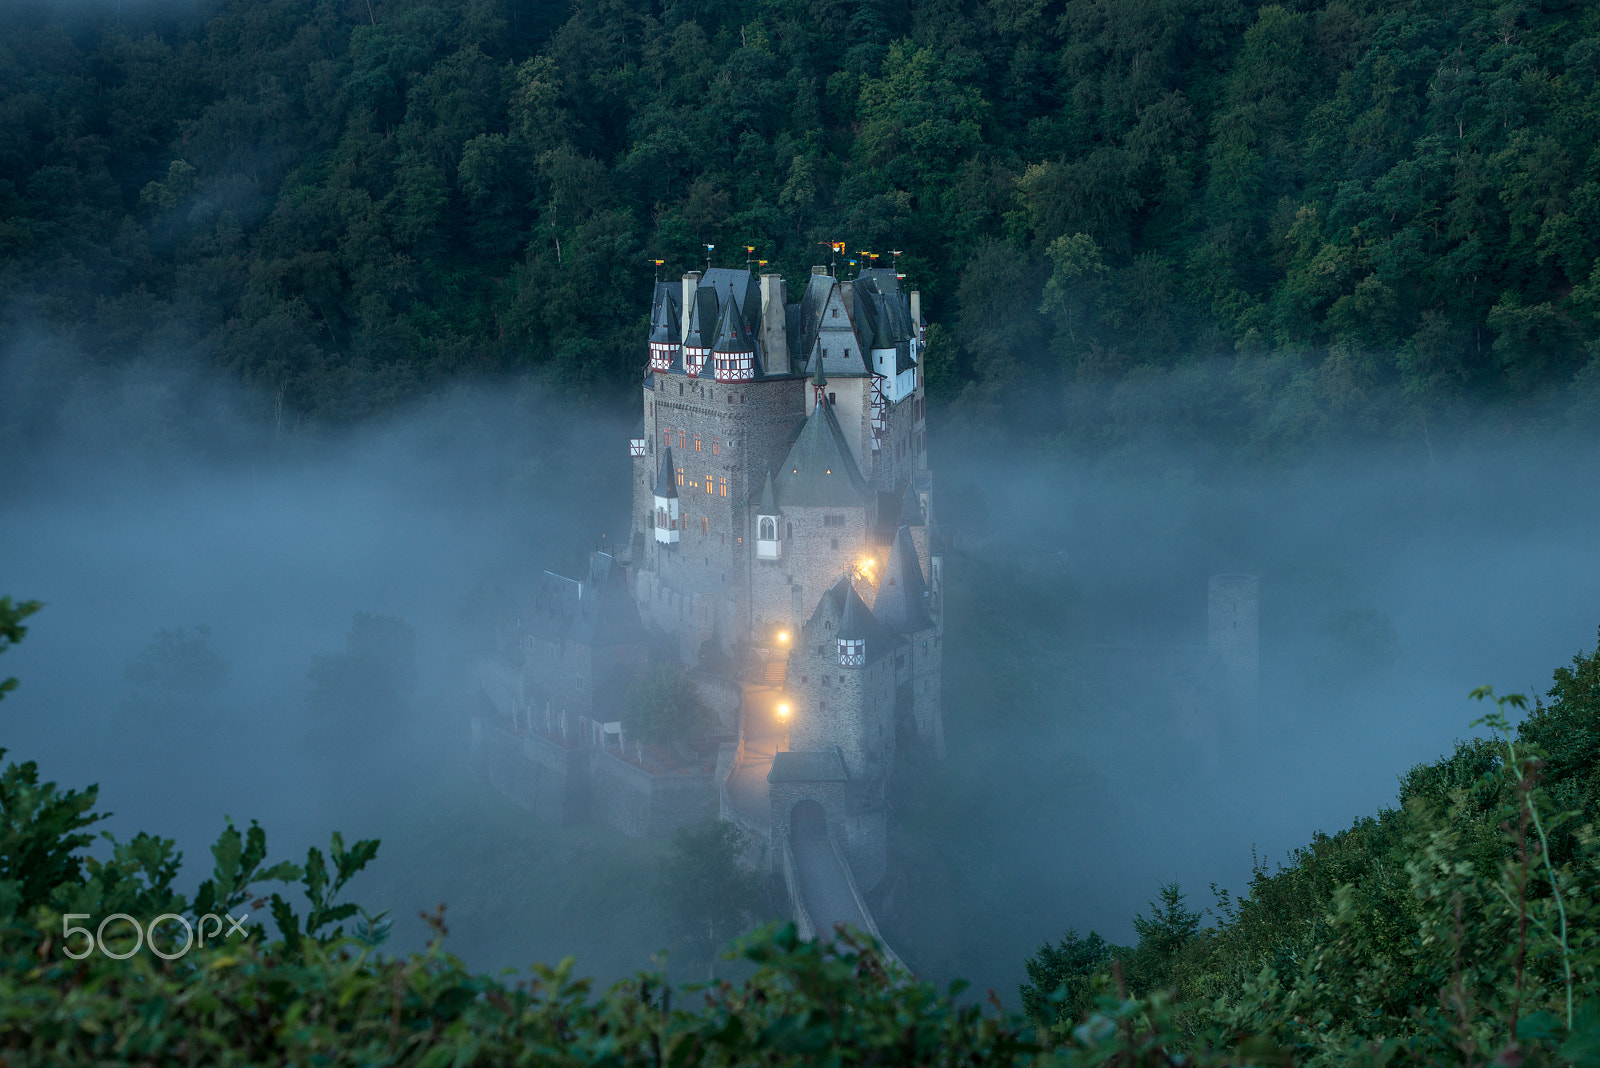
x: 824, y: 888
x: 765, y: 732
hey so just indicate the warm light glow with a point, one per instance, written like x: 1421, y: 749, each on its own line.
x: 783, y: 635
x: 783, y: 709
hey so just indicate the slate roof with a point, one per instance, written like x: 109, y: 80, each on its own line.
x: 555, y: 605
x: 746, y: 290
x: 732, y: 333
x: 704, y: 312
x: 664, y: 318
x: 902, y: 601
x: 826, y: 766
x: 819, y: 471
x: 768, y: 504
x: 667, y: 480
x: 607, y: 614
x: 883, y: 313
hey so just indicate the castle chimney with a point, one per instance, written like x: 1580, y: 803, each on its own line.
x: 774, y: 326
x: 916, y: 308
x: 819, y: 268
x: 691, y: 282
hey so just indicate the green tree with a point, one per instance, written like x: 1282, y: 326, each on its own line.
x: 664, y: 705
x: 710, y: 893
x: 1061, y: 978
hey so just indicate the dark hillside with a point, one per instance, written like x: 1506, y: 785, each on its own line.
x: 346, y: 202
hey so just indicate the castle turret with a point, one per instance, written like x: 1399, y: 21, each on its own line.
x: 701, y: 337
x: 668, y: 522
x: 853, y: 630
x: 666, y: 349
x: 734, y: 354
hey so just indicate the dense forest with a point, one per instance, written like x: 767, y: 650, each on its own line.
x: 1373, y: 210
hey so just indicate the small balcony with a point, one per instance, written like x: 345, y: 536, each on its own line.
x: 768, y: 549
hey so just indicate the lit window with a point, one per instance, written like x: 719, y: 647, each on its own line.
x: 705, y: 524
x: 716, y: 444
x: 708, y: 484
x: 681, y: 437
x: 722, y: 486
x: 680, y: 476
x: 666, y: 437
x: 697, y: 442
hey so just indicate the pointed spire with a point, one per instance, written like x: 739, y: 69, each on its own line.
x: 667, y: 481
x: 902, y: 595
x: 731, y: 331
x: 856, y: 622
x: 769, y: 501
x: 817, y: 377
x: 910, y: 508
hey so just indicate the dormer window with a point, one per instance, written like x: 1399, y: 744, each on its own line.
x: 852, y: 652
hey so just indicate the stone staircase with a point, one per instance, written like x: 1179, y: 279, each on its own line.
x: 776, y: 672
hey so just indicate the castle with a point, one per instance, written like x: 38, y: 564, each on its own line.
x: 782, y: 545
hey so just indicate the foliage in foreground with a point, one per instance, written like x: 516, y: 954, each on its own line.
x: 1462, y: 927
x: 1462, y: 930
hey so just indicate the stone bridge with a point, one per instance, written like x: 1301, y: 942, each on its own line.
x: 800, y: 805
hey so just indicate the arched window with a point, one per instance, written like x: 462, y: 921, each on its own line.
x: 790, y: 536
x: 769, y: 529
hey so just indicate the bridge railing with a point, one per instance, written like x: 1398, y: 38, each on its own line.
x: 861, y: 905
x: 802, y: 919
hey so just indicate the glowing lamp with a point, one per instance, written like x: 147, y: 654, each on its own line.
x: 783, y: 635
x: 783, y: 710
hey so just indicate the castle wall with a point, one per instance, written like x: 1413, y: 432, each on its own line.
x: 539, y: 773
x: 814, y: 556
x: 698, y: 589
x: 629, y: 799
x: 849, y: 709
x: 580, y: 680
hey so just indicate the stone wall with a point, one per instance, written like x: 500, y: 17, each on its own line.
x: 698, y: 589
x: 785, y: 591
x: 629, y: 799
x: 543, y: 775
x: 835, y: 707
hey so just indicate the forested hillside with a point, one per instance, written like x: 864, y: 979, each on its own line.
x: 346, y: 201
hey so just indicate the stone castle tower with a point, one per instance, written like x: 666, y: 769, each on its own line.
x: 783, y: 502
x: 783, y: 545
